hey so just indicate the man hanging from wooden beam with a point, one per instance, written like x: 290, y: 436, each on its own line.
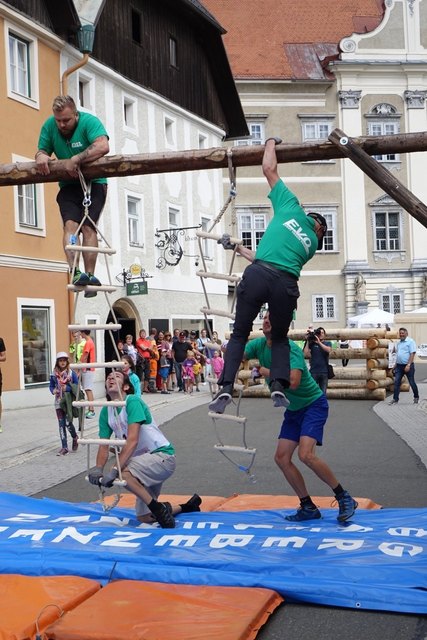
x: 76, y: 137
x: 290, y: 240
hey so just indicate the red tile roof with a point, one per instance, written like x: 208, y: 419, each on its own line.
x: 288, y: 39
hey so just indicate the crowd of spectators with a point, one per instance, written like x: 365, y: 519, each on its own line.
x: 166, y: 362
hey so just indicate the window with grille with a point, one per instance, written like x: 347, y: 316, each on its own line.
x: 392, y: 302
x: 387, y: 230
x: 324, y: 307
x: 252, y: 224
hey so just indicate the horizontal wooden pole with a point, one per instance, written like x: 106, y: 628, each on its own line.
x: 214, y: 158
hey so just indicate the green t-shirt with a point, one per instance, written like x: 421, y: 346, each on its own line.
x: 307, y: 391
x: 137, y: 411
x: 289, y: 240
x: 88, y: 129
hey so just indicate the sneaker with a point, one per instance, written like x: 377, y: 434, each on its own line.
x: 93, y: 280
x: 222, y: 399
x: 90, y: 414
x: 164, y: 515
x: 278, y: 394
x: 347, y: 506
x: 192, y: 505
x: 75, y: 444
x: 62, y: 452
x: 393, y: 402
x: 304, y: 513
x: 80, y: 279
x: 416, y: 400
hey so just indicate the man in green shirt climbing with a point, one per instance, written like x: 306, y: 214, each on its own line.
x: 290, y: 240
x: 76, y: 137
x: 302, y: 428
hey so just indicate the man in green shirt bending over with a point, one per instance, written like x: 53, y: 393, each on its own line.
x: 302, y: 428
x: 76, y: 137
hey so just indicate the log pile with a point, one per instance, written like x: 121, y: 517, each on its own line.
x: 369, y: 381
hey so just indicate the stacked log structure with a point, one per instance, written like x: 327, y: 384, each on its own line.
x: 368, y: 381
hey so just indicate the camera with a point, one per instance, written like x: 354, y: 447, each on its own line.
x: 311, y: 336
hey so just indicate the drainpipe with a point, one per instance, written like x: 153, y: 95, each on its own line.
x: 68, y: 72
x: 85, y: 40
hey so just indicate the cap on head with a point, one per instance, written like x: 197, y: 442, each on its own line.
x: 324, y: 225
x: 62, y: 354
x: 181, y: 334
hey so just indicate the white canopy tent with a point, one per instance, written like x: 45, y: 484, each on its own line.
x: 372, y: 318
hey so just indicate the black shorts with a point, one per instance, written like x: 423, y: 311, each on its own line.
x: 70, y: 201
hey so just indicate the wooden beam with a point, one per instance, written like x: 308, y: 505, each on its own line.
x: 215, y: 158
x: 380, y: 175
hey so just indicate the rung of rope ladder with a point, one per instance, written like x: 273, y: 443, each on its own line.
x: 218, y: 276
x: 95, y: 327
x: 236, y: 386
x: 230, y: 447
x: 215, y: 312
x: 115, y: 364
x: 85, y: 249
x: 99, y: 403
x: 101, y: 441
x: 116, y: 483
x: 217, y: 236
x: 227, y: 417
x: 91, y: 287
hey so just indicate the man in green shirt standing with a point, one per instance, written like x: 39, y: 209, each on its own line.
x: 76, y: 137
x: 302, y: 428
x: 290, y: 240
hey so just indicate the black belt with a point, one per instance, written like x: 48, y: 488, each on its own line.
x: 271, y: 267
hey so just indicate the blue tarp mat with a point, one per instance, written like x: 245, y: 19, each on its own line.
x: 376, y: 561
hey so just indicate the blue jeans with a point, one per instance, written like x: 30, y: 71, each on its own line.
x: 322, y: 380
x: 280, y: 290
x: 399, y: 372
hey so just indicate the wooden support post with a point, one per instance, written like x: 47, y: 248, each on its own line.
x: 379, y: 174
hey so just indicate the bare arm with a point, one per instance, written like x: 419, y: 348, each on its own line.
x: 245, y: 253
x: 131, y: 444
x: 269, y: 162
x: 102, y: 456
x: 295, y: 378
x: 99, y: 147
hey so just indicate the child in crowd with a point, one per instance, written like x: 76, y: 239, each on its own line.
x: 217, y: 364
x: 164, y: 368
x: 187, y: 371
x: 60, y: 383
x: 129, y: 370
x: 197, y: 370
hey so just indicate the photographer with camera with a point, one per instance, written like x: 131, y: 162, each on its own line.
x: 318, y: 349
